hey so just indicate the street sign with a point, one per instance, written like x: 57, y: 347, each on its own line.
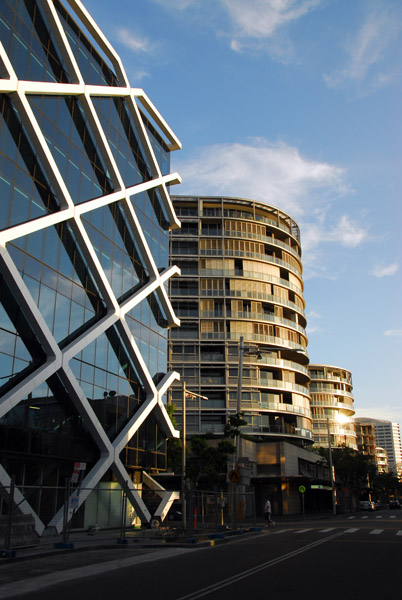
x: 234, y: 476
x: 302, y: 489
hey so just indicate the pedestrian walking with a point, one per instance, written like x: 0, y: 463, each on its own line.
x: 267, y: 514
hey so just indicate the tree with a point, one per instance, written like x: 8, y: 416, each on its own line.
x: 208, y: 460
x: 386, y: 485
x: 354, y: 471
x: 174, y: 445
x: 207, y: 457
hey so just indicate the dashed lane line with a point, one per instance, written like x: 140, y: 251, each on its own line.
x: 303, y: 530
x: 376, y: 531
x: 230, y: 580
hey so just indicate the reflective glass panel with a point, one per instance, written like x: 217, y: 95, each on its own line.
x: 58, y: 278
x: 26, y: 37
x: 124, y: 140
x: 24, y: 190
x: 92, y: 67
x: 72, y: 143
x: 116, y: 248
x: 109, y: 381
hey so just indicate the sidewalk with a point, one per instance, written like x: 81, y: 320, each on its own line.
x: 89, y: 552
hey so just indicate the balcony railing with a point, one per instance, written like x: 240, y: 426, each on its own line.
x: 263, y: 238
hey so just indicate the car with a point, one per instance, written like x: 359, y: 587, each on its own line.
x: 366, y: 505
x: 175, y: 514
x: 395, y: 504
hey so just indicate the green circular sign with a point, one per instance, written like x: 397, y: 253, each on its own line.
x: 302, y: 489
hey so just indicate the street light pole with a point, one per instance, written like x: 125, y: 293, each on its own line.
x: 237, y: 451
x: 183, y: 456
x: 185, y: 393
x: 331, y: 471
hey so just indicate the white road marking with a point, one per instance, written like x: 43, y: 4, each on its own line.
x: 365, y: 517
x: 392, y: 516
x: 353, y: 517
x: 326, y: 530
x: 230, y: 580
x: 379, y: 517
x: 352, y: 530
x: 303, y: 530
x: 399, y: 532
x: 376, y: 531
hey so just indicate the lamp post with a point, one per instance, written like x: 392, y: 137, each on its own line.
x: 331, y: 472
x: 185, y: 393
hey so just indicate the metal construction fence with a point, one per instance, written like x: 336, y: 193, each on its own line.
x: 30, y: 514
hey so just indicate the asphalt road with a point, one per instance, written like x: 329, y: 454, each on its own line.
x: 358, y: 557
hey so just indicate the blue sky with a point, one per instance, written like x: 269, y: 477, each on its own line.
x: 296, y: 103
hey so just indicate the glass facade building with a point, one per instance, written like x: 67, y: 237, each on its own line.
x: 242, y: 341
x: 84, y: 265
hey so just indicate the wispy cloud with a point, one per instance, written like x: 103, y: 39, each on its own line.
x: 386, y: 270
x: 257, y: 22
x: 256, y: 25
x: 347, y: 233
x: 368, y: 48
x: 312, y: 322
x: 261, y: 18
x: 277, y: 173
x: 393, y: 332
x: 136, y: 43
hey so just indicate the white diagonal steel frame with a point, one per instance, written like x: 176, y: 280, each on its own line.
x: 58, y: 360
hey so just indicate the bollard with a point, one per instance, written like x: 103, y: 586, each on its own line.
x: 7, y: 539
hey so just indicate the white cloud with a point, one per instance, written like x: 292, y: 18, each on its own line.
x: 386, y: 271
x: 275, y: 173
x: 393, y: 332
x: 261, y: 18
x: 178, y: 4
x: 312, y: 326
x: 368, y: 49
x: 347, y: 233
x: 133, y: 42
x: 259, y: 24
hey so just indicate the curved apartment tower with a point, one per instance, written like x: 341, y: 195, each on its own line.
x: 240, y: 302
x: 332, y: 404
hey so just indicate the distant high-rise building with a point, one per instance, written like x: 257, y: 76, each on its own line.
x: 332, y: 405
x: 366, y: 439
x: 388, y: 436
x: 381, y: 459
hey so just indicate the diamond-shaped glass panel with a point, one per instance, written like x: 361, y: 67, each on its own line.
x: 59, y: 280
x: 116, y: 248
x: 73, y: 146
x: 147, y: 323
x: 93, y: 68
x: 123, y: 139
x: 109, y: 380
x: 26, y: 37
x: 24, y: 189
